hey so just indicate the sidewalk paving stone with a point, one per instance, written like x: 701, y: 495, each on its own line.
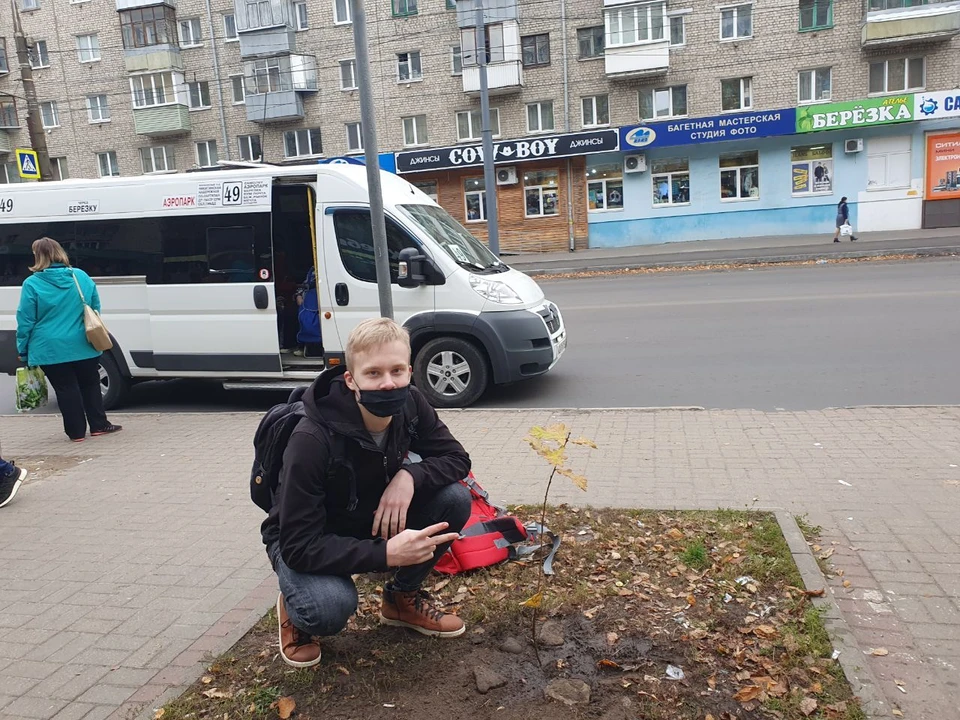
x: 122, y: 572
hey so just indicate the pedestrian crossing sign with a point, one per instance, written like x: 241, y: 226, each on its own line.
x: 27, y: 164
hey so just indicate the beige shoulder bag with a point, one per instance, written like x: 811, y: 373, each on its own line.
x: 97, y: 334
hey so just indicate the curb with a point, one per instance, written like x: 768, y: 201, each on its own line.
x: 860, y: 677
x: 601, y: 267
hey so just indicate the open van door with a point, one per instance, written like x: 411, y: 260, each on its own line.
x: 350, y: 268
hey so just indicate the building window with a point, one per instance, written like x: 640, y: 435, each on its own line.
x: 230, y: 28
x: 199, y: 95
x: 239, y: 91
x: 302, y: 143
x: 300, y: 10
x: 736, y: 23
x: 596, y: 110
x: 98, y: 108
x: 49, y: 114
x: 605, y: 187
x: 811, y: 169
x: 26, y: 5
x: 341, y: 12
x: 39, y: 57
x: 404, y: 7
x: 354, y: 137
x: 456, y: 60
x: 816, y: 14
x: 250, y: 150
x: 678, y: 35
x: 493, y: 39
x: 348, y: 74
x: 469, y: 124
x: 671, y: 181
x: 408, y: 67
x: 894, y: 4
x: 152, y: 90
x: 9, y: 173
x: 107, y: 164
x: 541, y: 193
x: 4, y: 66
x: 8, y: 113
x: 736, y: 94
x: 428, y: 188
x: 536, y: 49
x: 814, y: 85
x: 668, y: 102
x: 451, y: 4
x: 59, y: 167
x: 897, y: 75
x: 190, y: 33
x: 540, y: 117
x: 88, y: 48
x: 148, y: 26
x: 263, y: 14
x: 415, y: 130
x: 266, y: 77
x: 207, y: 153
x: 740, y: 176
x: 888, y: 162
x: 635, y: 24
x: 157, y: 159
x: 475, y: 199
x: 590, y: 42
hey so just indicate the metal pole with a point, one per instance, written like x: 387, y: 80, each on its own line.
x: 368, y: 133
x: 38, y: 139
x: 489, y: 173
x: 217, y: 80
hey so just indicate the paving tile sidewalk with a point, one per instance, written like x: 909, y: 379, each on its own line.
x: 126, y: 559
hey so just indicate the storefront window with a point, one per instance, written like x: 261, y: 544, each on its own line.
x: 475, y: 197
x: 812, y: 169
x: 671, y: 181
x: 605, y: 187
x: 740, y: 176
x: 428, y: 188
x: 541, y: 193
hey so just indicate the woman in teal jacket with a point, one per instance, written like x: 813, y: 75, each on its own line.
x: 51, y: 335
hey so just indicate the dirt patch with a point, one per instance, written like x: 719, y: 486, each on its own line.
x: 635, y: 633
x: 45, y: 467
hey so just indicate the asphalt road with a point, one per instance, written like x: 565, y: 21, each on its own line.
x: 792, y: 337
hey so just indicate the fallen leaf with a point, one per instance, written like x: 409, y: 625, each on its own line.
x: 206, y: 679
x: 584, y: 441
x: 847, y: 583
x: 285, y: 707
x: 612, y: 638
x: 159, y: 713
x: 827, y: 554
x: 441, y: 585
x: 691, y: 600
x: 533, y: 602
x: 879, y: 652
x: 815, y: 593
x: 816, y: 688
x: 777, y: 689
x: 217, y: 694
x: 698, y: 633
x: 342, y: 670
x: 615, y: 555
x: 747, y: 693
x: 808, y: 706
x: 608, y: 664
x: 765, y: 631
x: 674, y: 534
x: 897, y: 712
x: 712, y: 682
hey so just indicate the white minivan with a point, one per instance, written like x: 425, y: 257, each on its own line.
x: 211, y: 275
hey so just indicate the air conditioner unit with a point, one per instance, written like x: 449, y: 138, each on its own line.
x: 853, y: 146
x: 635, y: 163
x: 507, y: 176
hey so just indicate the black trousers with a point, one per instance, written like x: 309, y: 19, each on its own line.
x: 77, y: 385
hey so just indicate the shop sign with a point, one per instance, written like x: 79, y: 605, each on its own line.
x: 733, y: 126
x: 935, y: 105
x: 943, y: 166
x: 855, y: 114
x: 509, y: 151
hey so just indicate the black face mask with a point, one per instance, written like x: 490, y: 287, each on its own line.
x: 384, y: 403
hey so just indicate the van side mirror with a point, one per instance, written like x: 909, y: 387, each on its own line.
x: 410, y: 272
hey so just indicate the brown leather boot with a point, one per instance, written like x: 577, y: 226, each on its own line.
x: 415, y: 610
x: 296, y: 647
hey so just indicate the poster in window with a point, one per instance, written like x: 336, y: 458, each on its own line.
x: 823, y: 176
x: 943, y: 167
x: 801, y: 177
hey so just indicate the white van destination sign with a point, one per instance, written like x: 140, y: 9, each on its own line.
x: 509, y: 151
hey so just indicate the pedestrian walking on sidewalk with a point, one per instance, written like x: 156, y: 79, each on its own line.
x: 347, y: 503
x: 51, y: 335
x: 843, y: 218
x: 11, y: 477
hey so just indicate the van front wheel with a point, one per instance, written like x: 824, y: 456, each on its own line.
x: 450, y: 372
x: 113, y: 385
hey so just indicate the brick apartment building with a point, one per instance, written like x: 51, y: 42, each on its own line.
x: 618, y: 122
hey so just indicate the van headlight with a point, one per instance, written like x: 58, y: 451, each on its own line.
x: 495, y: 291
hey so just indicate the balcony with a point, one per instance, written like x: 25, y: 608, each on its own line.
x: 273, y: 107
x: 161, y: 120
x: 275, y: 85
x: 503, y: 78
x: 134, y: 4
x: 931, y: 22
x: 494, y: 11
x: 154, y: 58
x: 6, y: 144
x: 648, y: 59
x: 267, y: 42
x: 637, y: 38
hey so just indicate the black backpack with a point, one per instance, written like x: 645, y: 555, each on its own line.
x: 274, y: 431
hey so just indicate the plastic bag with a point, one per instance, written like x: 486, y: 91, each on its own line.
x: 846, y: 230
x: 31, y: 389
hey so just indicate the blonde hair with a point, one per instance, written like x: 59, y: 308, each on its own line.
x: 46, y: 252
x: 373, y: 333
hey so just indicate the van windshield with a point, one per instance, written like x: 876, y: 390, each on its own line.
x: 464, y: 248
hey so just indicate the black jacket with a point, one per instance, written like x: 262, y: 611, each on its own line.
x: 323, y: 521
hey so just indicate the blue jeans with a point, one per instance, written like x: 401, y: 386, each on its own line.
x: 5, y: 468
x: 322, y: 604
